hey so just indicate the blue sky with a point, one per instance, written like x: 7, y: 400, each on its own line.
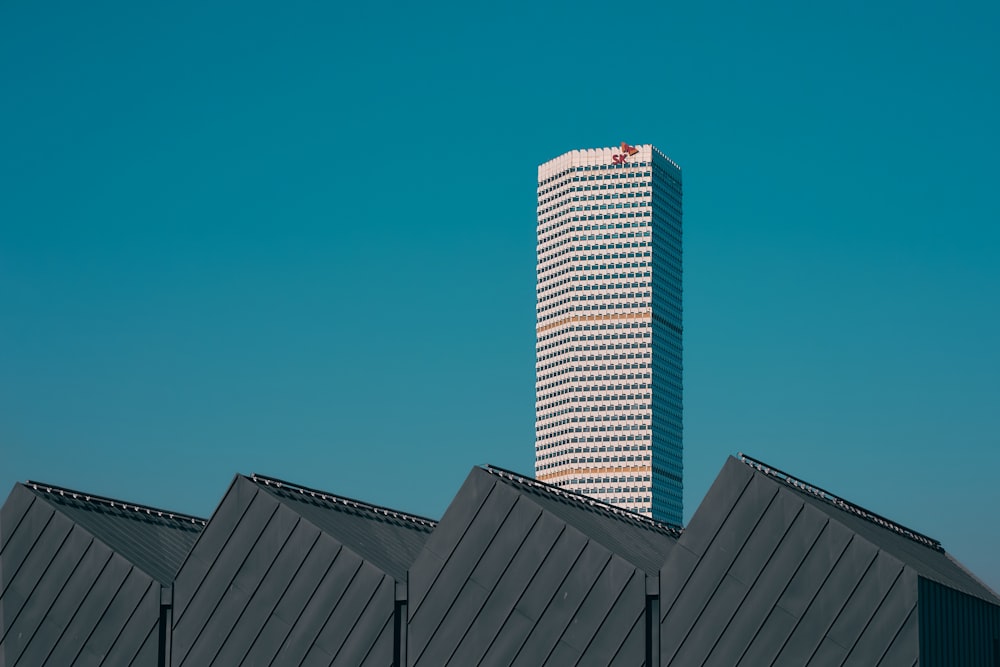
x: 299, y: 241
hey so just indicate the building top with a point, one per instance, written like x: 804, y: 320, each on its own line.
x: 387, y: 538
x: 642, y: 541
x: 154, y: 540
x: 922, y: 553
x: 618, y: 156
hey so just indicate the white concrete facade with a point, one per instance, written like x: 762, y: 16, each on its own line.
x: 608, y: 406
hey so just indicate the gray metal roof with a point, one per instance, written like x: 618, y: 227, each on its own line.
x: 523, y: 573
x: 387, y: 538
x: 639, y: 540
x: 154, y: 540
x: 924, y: 554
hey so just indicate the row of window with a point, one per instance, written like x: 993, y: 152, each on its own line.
x: 588, y: 247
x: 579, y: 379
x: 568, y: 336
x: 561, y: 357
x: 542, y: 433
x: 604, y: 450
x: 623, y: 260
x: 616, y: 267
x: 621, y: 301
x: 556, y: 389
x: 606, y: 326
x: 609, y: 237
x: 560, y: 250
x: 591, y: 459
x: 566, y: 215
x: 614, y: 306
x: 614, y: 413
x: 564, y: 345
x: 619, y: 171
x: 558, y: 197
x: 550, y: 443
x: 562, y: 369
x: 576, y: 296
x: 604, y: 490
x: 541, y: 400
x: 547, y: 429
x: 559, y: 220
x: 635, y: 200
x: 644, y: 280
x: 544, y: 250
x: 583, y: 285
x: 608, y: 479
x: 596, y: 227
x: 604, y: 402
x: 668, y: 209
x: 601, y: 406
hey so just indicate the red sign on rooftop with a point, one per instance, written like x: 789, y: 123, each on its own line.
x: 627, y: 152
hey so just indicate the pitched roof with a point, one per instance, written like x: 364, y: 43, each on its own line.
x: 638, y: 539
x: 385, y: 537
x: 154, y: 540
x: 922, y: 553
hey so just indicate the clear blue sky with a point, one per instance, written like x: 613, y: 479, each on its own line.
x: 299, y: 240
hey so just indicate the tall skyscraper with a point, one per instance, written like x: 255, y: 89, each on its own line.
x: 608, y: 370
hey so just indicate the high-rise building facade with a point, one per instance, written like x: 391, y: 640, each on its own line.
x: 608, y: 370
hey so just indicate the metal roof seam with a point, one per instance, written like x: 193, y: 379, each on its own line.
x: 591, y: 504
x: 343, y: 500
x: 841, y: 503
x: 114, y: 504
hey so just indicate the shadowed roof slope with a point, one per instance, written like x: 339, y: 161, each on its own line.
x: 638, y: 539
x: 154, y: 540
x: 387, y: 538
x: 924, y: 554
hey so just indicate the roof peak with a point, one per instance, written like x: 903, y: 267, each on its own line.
x: 586, y: 501
x: 840, y: 503
x: 343, y: 500
x: 149, y: 510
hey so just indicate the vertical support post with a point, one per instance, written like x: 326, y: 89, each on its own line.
x: 652, y: 621
x: 399, y: 634
x: 166, y: 625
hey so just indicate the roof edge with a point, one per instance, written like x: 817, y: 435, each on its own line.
x: 841, y: 504
x: 587, y: 501
x: 51, y: 489
x: 343, y: 500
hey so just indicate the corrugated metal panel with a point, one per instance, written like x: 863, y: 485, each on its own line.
x: 154, y: 540
x: 682, y: 613
x: 66, y: 597
x: 278, y: 577
x: 919, y: 552
x: 957, y: 629
x: 638, y: 539
x: 760, y: 576
x: 506, y: 579
x: 346, y: 588
x: 387, y: 538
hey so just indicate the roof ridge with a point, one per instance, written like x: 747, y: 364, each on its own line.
x: 149, y: 510
x: 343, y: 500
x: 587, y: 501
x: 842, y: 504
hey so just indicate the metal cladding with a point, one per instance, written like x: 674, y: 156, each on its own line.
x: 81, y: 577
x: 775, y: 571
x: 519, y: 572
x: 286, y: 575
x: 771, y: 570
